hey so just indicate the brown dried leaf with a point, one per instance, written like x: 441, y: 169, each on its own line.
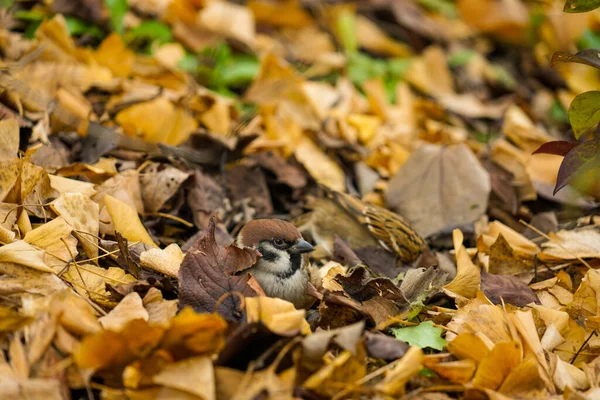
x: 508, y: 289
x: 160, y: 186
x: 206, y: 276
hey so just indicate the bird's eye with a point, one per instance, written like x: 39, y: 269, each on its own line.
x: 279, y: 242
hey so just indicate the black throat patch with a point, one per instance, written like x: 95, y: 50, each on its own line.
x: 296, y: 261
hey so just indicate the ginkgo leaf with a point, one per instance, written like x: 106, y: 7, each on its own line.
x: 126, y: 221
x: 82, y: 214
x: 22, y: 253
x: 467, y: 281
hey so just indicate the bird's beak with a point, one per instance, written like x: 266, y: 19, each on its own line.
x: 301, y: 246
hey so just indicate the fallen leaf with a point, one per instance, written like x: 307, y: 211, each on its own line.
x: 128, y: 309
x: 497, y: 364
x: 158, y: 186
x: 166, y: 261
x: 22, y: 253
x: 9, y: 142
x: 571, y: 245
x: 322, y: 168
x: 229, y: 20
x: 206, y: 276
x: 501, y: 289
x: 468, y: 276
x: 385, y: 347
x: 176, y: 375
x: 157, y: 121
x: 280, y: 316
x: 395, y: 378
x: 126, y: 221
x: 449, y: 199
x: 83, y: 215
x: 423, y: 335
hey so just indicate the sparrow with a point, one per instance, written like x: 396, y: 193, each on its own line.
x: 361, y: 224
x: 282, y: 270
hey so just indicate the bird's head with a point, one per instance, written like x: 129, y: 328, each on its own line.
x: 280, y: 244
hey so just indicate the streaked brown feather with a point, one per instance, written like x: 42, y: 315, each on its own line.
x: 391, y: 230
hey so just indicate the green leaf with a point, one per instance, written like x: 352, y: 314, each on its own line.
x: 7, y: 3
x: 240, y: 71
x: 79, y: 27
x: 579, y: 6
x: 589, y: 40
x: 444, y: 7
x: 152, y: 31
x: 422, y: 335
x: 32, y: 28
x: 460, y: 58
x: 188, y: 63
x: 117, y: 10
x: 558, y: 113
x: 346, y: 27
x: 29, y: 15
x: 584, y: 112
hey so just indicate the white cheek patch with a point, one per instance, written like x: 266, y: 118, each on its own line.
x: 281, y: 264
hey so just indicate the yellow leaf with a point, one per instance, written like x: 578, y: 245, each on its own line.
x: 126, y: 221
x: 468, y: 276
x: 325, y: 171
x: 278, y: 315
x: 177, y: 376
x: 496, y: 365
x: 9, y: 139
x: 90, y: 281
x: 22, y: 253
x: 230, y: 20
x: 82, y: 214
x: 166, y: 261
x: 56, y: 239
x: 113, y: 54
x: 157, y: 121
x: 372, y: 38
x: 395, y: 378
x: 128, y: 309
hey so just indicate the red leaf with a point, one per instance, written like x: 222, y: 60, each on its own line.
x: 557, y: 147
x: 206, y: 277
x: 580, y: 159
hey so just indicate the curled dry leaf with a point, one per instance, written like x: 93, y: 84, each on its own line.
x: 206, y: 277
x: 159, y: 186
x: 467, y: 280
x: 128, y: 309
x: 126, y: 221
x: 280, y: 316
